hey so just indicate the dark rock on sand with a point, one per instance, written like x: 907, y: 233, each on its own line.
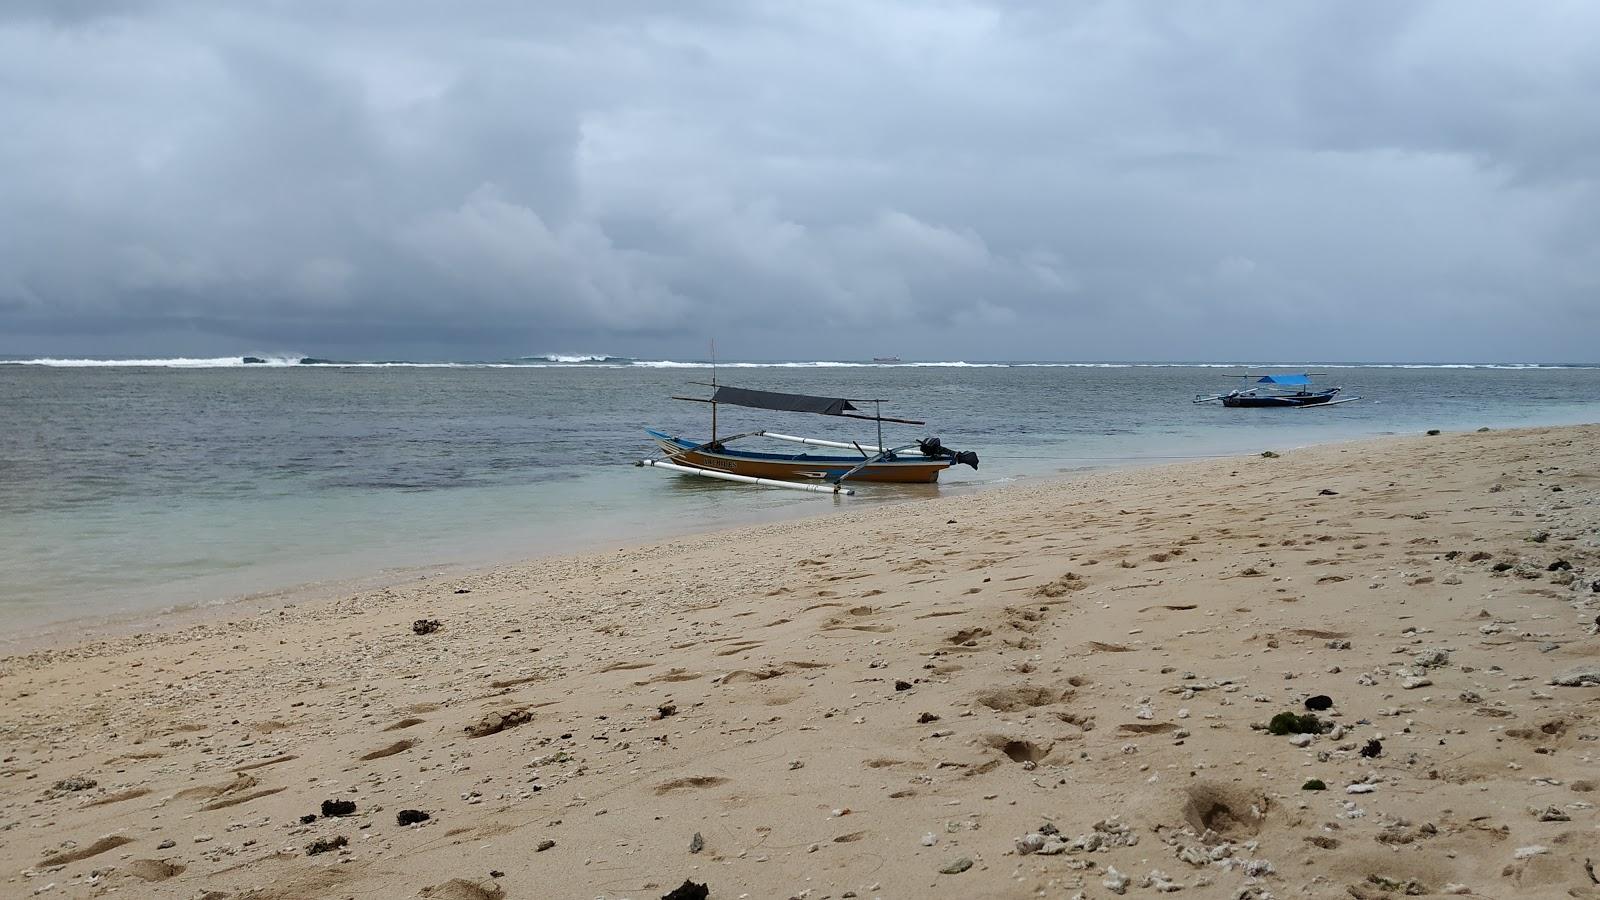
x: 323, y: 845
x: 1373, y: 749
x: 73, y: 784
x: 426, y: 626
x: 1319, y: 703
x: 687, y: 891
x: 697, y: 843
x: 494, y: 723
x: 410, y: 817
x: 1578, y: 677
x: 338, y: 807
x: 1294, y: 723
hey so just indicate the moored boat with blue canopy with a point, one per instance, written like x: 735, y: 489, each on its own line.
x: 1290, y: 390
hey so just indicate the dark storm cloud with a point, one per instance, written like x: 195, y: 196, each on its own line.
x: 824, y: 179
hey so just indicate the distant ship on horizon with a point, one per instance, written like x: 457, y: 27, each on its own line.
x: 885, y: 359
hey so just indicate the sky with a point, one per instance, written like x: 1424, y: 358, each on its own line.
x: 1317, y: 181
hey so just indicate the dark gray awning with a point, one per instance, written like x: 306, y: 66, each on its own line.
x: 826, y: 406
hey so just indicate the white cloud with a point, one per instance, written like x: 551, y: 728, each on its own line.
x: 979, y: 173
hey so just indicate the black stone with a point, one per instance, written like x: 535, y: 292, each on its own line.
x: 410, y: 817
x: 1319, y: 703
x: 338, y: 807
x: 688, y: 891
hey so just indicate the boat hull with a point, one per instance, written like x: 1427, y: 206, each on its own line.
x: 909, y: 469
x: 1275, y: 400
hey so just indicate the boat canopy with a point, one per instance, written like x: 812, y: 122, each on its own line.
x: 1284, y: 379
x: 826, y: 406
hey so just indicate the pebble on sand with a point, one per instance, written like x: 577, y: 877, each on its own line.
x: 956, y: 866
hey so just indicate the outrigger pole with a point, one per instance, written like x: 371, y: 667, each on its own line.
x: 748, y: 479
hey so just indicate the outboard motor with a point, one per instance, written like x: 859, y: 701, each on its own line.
x: 932, y: 447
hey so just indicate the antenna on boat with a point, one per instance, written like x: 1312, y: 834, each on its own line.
x: 877, y: 413
x: 714, y: 391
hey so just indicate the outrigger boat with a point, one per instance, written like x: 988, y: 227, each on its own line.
x: 919, y: 462
x: 1275, y: 391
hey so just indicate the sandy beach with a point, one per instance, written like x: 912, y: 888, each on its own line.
x: 1061, y: 689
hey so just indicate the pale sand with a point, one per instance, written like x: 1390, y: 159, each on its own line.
x: 1091, y: 649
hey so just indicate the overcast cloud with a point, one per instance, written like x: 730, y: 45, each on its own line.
x: 1321, y: 181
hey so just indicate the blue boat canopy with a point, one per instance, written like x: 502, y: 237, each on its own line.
x: 1284, y: 379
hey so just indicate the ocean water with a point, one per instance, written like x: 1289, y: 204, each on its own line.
x: 138, y: 486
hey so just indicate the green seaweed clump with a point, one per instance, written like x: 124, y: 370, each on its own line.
x: 1295, y: 723
x: 1314, y: 784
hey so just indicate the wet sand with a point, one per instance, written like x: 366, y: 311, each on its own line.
x: 1040, y: 691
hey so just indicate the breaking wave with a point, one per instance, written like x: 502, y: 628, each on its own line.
x: 597, y: 361
x: 577, y: 358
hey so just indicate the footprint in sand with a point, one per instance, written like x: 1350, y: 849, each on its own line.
x: 462, y: 889
x: 95, y: 849
x: 745, y: 676
x: 154, y: 869
x: 968, y: 637
x: 695, y: 781
x: 118, y: 797
x: 1020, y: 697
x: 241, y: 782
x: 391, y: 750
x: 1019, y: 749
x: 267, y: 762
x: 513, y: 682
x: 741, y: 647
x: 237, y: 799
x: 671, y: 675
x: 1062, y: 586
x: 1146, y: 727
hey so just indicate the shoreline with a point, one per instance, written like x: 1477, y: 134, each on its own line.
x: 1050, y: 688
x: 56, y: 633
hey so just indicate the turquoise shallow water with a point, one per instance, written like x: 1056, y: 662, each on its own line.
x: 138, y: 488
